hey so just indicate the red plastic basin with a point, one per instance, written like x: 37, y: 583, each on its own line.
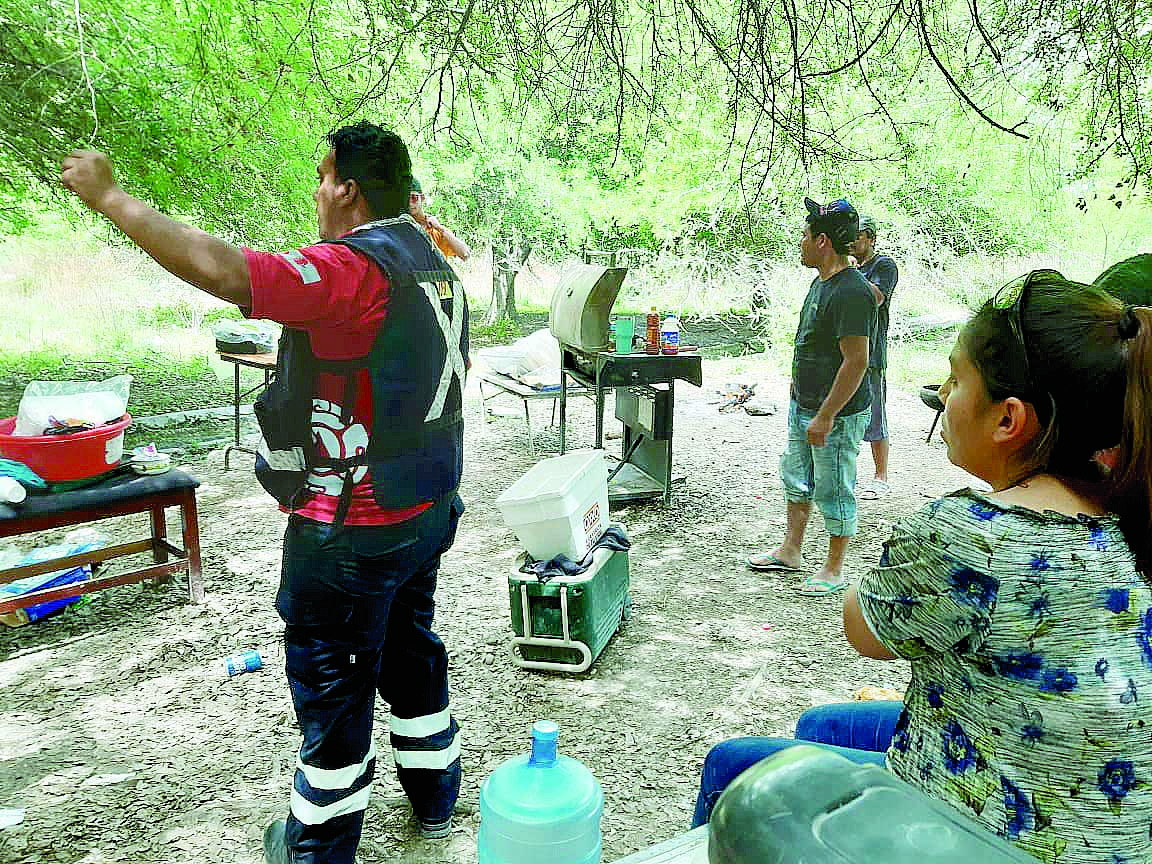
x: 63, y: 458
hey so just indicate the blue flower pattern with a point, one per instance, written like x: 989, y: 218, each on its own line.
x: 1018, y: 808
x: 935, y: 693
x: 1116, y: 600
x: 1058, y: 680
x: 1031, y: 733
x: 973, y: 587
x: 1144, y: 636
x: 998, y: 600
x: 1024, y: 666
x: 1096, y: 536
x: 959, y: 751
x: 1116, y: 779
x: 1040, y: 606
x: 984, y: 512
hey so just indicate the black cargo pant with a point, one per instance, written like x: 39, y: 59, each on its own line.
x: 358, y: 605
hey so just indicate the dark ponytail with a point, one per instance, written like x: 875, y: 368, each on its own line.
x: 1130, y: 486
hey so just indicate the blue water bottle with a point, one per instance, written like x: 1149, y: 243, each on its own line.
x: 238, y: 664
x: 540, y: 808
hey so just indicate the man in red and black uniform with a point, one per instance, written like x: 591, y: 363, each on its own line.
x: 375, y: 352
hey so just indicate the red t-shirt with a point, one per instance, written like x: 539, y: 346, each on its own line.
x: 340, y: 298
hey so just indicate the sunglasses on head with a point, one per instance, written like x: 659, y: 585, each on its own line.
x: 1010, y: 300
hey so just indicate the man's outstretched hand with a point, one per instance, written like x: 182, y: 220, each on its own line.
x: 88, y: 173
x: 209, y: 263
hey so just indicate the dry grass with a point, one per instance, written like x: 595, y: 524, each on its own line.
x: 80, y: 297
x: 75, y: 295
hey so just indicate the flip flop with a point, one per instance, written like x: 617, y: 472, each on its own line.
x: 874, y: 490
x: 769, y: 563
x: 825, y: 587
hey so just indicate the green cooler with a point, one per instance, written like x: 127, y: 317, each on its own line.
x: 570, y: 618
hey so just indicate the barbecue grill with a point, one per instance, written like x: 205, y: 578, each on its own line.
x: 644, y: 383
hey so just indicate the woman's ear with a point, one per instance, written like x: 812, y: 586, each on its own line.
x: 1017, y: 424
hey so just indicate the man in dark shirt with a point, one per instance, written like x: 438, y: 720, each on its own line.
x: 828, y: 410
x: 882, y: 275
x: 357, y: 599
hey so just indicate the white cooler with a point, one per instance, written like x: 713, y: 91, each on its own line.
x: 560, y: 506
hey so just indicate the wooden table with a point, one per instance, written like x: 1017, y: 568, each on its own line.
x: 264, y: 362
x: 120, y: 496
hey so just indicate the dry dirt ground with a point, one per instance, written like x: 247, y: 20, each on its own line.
x: 123, y: 741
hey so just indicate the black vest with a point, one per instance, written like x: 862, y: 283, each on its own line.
x: 416, y: 366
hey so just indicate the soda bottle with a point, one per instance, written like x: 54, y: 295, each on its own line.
x: 652, y: 333
x: 670, y: 335
x: 540, y: 808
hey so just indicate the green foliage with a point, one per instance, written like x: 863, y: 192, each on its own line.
x: 657, y: 135
x: 500, y: 333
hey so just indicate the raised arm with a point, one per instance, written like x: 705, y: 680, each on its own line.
x: 459, y: 247
x: 200, y: 259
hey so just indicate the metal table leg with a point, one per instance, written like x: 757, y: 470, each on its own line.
x: 563, y: 407
x: 932, y: 429
x: 671, y: 421
x: 237, y: 396
x: 235, y: 414
x: 599, y: 411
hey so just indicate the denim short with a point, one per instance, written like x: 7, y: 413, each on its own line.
x: 878, y: 424
x: 824, y: 475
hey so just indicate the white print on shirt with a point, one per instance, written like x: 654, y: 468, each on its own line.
x: 301, y: 264
x: 334, y: 439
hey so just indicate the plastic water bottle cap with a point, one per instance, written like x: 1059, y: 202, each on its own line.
x: 547, y: 730
x: 545, y: 733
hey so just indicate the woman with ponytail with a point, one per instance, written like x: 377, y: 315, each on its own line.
x: 1025, y: 612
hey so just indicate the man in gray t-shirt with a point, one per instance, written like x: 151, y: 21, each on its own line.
x: 828, y: 411
x: 882, y: 275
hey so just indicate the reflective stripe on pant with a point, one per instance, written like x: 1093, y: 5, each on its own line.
x: 358, y: 605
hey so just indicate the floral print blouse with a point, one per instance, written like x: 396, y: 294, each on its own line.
x: 1030, y: 638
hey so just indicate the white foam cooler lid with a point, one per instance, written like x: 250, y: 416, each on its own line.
x: 551, y: 478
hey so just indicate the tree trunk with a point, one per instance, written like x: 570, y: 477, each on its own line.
x: 508, y: 259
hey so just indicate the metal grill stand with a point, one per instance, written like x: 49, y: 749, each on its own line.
x: 645, y: 401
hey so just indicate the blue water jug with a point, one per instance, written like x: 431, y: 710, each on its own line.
x: 540, y: 808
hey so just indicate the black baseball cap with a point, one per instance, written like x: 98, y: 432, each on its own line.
x: 838, y: 219
x: 416, y: 186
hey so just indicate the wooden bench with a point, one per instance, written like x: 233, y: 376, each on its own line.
x: 120, y: 496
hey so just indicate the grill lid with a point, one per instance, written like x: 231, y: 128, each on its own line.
x: 581, y: 305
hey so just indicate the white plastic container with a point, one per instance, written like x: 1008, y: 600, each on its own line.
x: 670, y: 335
x: 560, y: 506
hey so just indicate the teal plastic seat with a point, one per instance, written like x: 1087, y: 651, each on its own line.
x: 806, y: 805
